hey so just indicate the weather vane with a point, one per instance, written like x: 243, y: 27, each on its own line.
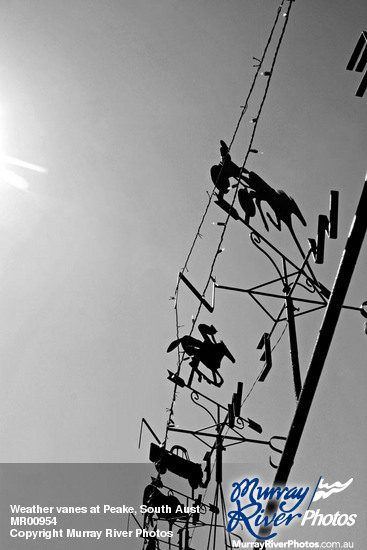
x: 298, y: 291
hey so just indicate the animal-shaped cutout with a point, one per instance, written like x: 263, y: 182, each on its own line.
x: 207, y: 352
x: 222, y: 172
x: 282, y: 204
x: 254, y: 191
x: 246, y: 199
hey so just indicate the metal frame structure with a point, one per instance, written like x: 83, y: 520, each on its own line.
x: 296, y: 283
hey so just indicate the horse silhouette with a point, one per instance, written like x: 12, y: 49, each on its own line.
x: 208, y: 352
x: 246, y: 198
x: 282, y: 204
x: 254, y: 191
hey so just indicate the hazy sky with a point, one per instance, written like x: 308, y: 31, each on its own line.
x: 124, y: 103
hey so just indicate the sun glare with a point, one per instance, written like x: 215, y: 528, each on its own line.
x: 7, y: 175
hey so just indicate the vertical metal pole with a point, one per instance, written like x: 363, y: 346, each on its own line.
x: 187, y: 536
x: 219, y: 452
x: 218, y: 480
x: 327, y: 329
x: 293, y: 346
x: 292, y: 334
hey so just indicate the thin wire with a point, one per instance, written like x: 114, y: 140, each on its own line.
x: 243, y: 111
x: 181, y: 357
x: 218, y: 251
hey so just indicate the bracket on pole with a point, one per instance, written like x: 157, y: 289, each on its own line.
x: 234, y: 408
x: 328, y: 226
x: 266, y: 356
x: 358, y: 62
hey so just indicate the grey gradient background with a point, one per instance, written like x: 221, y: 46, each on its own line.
x: 124, y: 103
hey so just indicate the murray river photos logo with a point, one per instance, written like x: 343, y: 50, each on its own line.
x: 250, y: 501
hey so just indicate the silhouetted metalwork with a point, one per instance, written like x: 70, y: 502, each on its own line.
x: 259, y: 240
x: 282, y: 204
x: 145, y: 423
x: 222, y: 172
x: 208, y: 352
x: 323, y: 342
x: 275, y: 449
x: 293, y: 346
x: 255, y: 191
x: 165, y: 506
x: 209, y: 307
x: 168, y: 507
x: 358, y: 62
x: 152, y: 544
x: 180, y: 465
x: 228, y: 208
x: 293, y: 284
x: 246, y: 198
x: 235, y: 406
x: 266, y: 356
x: 328, y: 226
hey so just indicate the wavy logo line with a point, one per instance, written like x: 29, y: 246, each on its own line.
x: 324, y: 490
